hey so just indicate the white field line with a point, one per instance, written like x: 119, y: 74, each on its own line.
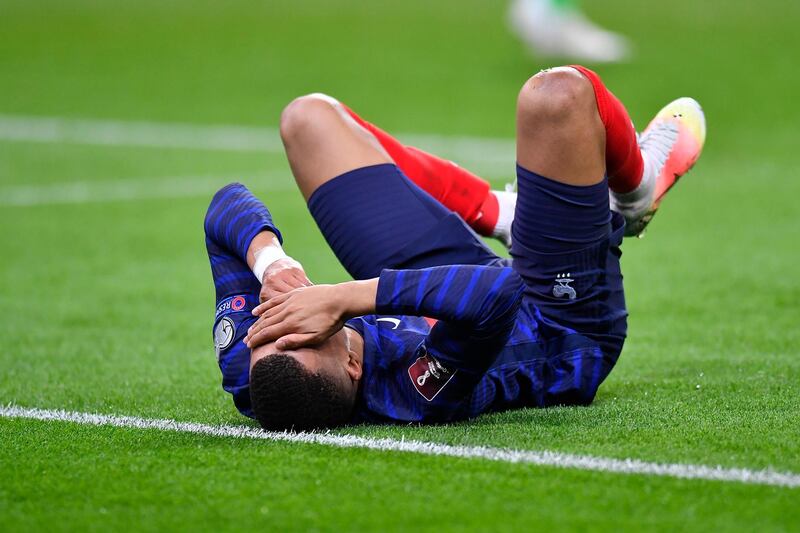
x: 482, y: 154
x: 541, y: 458
x: 82, y: 192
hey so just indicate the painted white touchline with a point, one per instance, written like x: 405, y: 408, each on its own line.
x: 82, y: 192
x: 484, y: 154
x: 541, y: 458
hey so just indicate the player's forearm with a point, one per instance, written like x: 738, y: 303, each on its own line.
x: 265, y: 242
x: 264, y: 250
x: 358, y: 297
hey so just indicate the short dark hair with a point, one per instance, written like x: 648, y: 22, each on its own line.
x: 286, y: 395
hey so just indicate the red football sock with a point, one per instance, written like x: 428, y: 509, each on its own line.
x: 454, y: 187
x: 624, y: 164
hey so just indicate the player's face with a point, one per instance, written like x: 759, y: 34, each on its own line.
x: 330, y: 358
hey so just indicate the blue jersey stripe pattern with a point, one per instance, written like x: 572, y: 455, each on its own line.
x: 469, y: 333
x: 475, y: 308
x: 492, y: 340
x: 492, y: 347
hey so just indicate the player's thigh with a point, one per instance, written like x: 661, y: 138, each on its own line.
x: 566, y: 248
x: 375, y: 218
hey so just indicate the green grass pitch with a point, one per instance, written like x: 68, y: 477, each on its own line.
x: 107, y: 303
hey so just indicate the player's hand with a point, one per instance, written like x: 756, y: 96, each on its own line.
x: 302, y: 317
x: 282, y: 276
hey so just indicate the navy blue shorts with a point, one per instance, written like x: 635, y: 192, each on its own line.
x: 566, y: 247
x: 375, y: 218
x: 565, y: 242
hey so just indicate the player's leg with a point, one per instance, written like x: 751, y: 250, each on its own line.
x: 371, y: 214
x: 565, y: 238
x: 488, y: 212
x: 642, y: 169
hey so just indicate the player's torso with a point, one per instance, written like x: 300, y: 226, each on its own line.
x: 399, y: 377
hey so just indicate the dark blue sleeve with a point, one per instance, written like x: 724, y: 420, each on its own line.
x: 476, y: 308
x: 234, y: 217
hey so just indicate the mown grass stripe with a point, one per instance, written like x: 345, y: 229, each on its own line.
x: 123, y: 190
x: 485, y: 154
x: 541, y: 458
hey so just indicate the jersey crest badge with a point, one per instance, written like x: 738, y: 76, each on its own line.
x: 562, y: 287
x: 429, y: 376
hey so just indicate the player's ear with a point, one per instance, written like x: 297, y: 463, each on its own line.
x: 354, y: 368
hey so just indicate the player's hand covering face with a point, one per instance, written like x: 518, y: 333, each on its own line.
x: 282, y: 276
x: 303, y: 317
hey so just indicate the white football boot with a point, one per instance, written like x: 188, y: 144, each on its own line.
x: 670, y: 145
x: 553, y: 31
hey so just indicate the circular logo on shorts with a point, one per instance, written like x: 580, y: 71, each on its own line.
x: 224, y: 334
x: 237, y: 304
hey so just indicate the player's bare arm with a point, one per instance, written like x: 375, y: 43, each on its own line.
x: 309, y: 315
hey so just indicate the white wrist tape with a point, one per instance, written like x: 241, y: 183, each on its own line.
x: 264, y: 258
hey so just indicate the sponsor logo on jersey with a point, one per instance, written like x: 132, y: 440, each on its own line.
x: 234, y: 303
x: 562, y: 287
x: 224, y: 333
x: 429, y: 376
x: 395, y: 321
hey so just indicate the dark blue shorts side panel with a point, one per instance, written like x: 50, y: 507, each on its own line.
x: 566, y: 248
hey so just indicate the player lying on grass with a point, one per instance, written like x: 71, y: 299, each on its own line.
x: 437, y: 327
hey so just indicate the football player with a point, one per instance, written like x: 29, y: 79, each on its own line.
x: 436, y: 327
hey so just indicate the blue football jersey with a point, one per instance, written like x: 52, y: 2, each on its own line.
x: 489, y: 350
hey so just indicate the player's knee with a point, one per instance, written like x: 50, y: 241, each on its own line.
x: 556, y: 95
x: 306, y: 116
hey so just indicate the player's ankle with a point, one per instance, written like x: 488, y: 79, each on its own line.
x: 634, y: 203
x: 644, y: 185
x: 507, y: 203
x: 496, y: 215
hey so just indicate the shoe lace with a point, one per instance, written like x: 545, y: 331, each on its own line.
x: 656, y: 143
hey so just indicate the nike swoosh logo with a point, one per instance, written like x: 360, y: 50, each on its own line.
x: 395, y: 321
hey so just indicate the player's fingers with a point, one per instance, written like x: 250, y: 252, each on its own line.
x: 301, y: 277
x: 272, y: 302
x: 294, y: 341
x: 263, y: 323
x: 278, y: 287
x: 265, y: 335
x: 266, y: 320
x: 291, y: 283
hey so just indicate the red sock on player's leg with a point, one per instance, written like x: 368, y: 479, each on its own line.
x: 456, y: 188
x: 624, y: 163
